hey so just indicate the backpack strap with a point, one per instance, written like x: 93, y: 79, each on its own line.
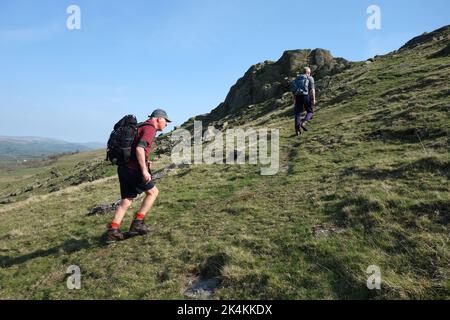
x: 143, y: 124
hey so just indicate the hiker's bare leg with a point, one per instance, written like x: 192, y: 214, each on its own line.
x: 150, y: 197
x: 122, y: 209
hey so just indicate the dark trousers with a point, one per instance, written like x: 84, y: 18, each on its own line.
x: 302, y: 103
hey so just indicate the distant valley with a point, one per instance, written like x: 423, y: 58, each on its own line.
x: 23, y: 149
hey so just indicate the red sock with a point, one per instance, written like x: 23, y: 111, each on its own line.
x: 140, y: 216
x: 115, y: 225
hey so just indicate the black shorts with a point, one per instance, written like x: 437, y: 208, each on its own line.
x: 131, y: 183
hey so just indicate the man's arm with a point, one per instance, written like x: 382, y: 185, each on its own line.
x: 140, y: 155
x: 313, y: 96
x: 312, y: 92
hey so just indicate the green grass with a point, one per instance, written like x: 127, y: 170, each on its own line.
x: 375, y: 166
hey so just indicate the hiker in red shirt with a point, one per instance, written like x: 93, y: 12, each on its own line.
x: 135, y: 178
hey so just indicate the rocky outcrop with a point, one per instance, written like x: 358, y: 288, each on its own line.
x: 268, y: 80
x: 262, y: 82
x: 442, y: 34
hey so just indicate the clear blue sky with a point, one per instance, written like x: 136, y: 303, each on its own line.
x: 182, y: 55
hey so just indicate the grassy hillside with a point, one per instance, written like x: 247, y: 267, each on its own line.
x: 54, y: 175
x: 367, y: 185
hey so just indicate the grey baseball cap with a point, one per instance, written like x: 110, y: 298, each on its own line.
x: 160, y: 113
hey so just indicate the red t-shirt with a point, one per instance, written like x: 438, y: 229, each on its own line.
x: 144, y: 139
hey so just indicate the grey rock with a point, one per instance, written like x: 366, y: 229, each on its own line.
x: 325, y: 231
x: 201, y: 288
x: 5, y: 201
x: 104, y: 209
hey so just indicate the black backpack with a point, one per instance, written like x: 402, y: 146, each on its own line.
x: 121, y: 140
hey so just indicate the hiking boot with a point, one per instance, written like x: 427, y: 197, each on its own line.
x: 297, y: 131
x: 303, y: 125
x: 138, y: 227
x: 113, y: 235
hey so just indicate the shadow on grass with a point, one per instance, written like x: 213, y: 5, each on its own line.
x: 408, y: 135
x: 293, y: 150
x: 428, y: 164
x: 436, y: 211
x: 68, y: 247
x: 213, y: 265
x: 355, y: 212
x: 342, y: 273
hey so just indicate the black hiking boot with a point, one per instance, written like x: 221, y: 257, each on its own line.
x: 297, y: 131
x: 303, y: 125
x: 138, y: 227
x: 112, y: 236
